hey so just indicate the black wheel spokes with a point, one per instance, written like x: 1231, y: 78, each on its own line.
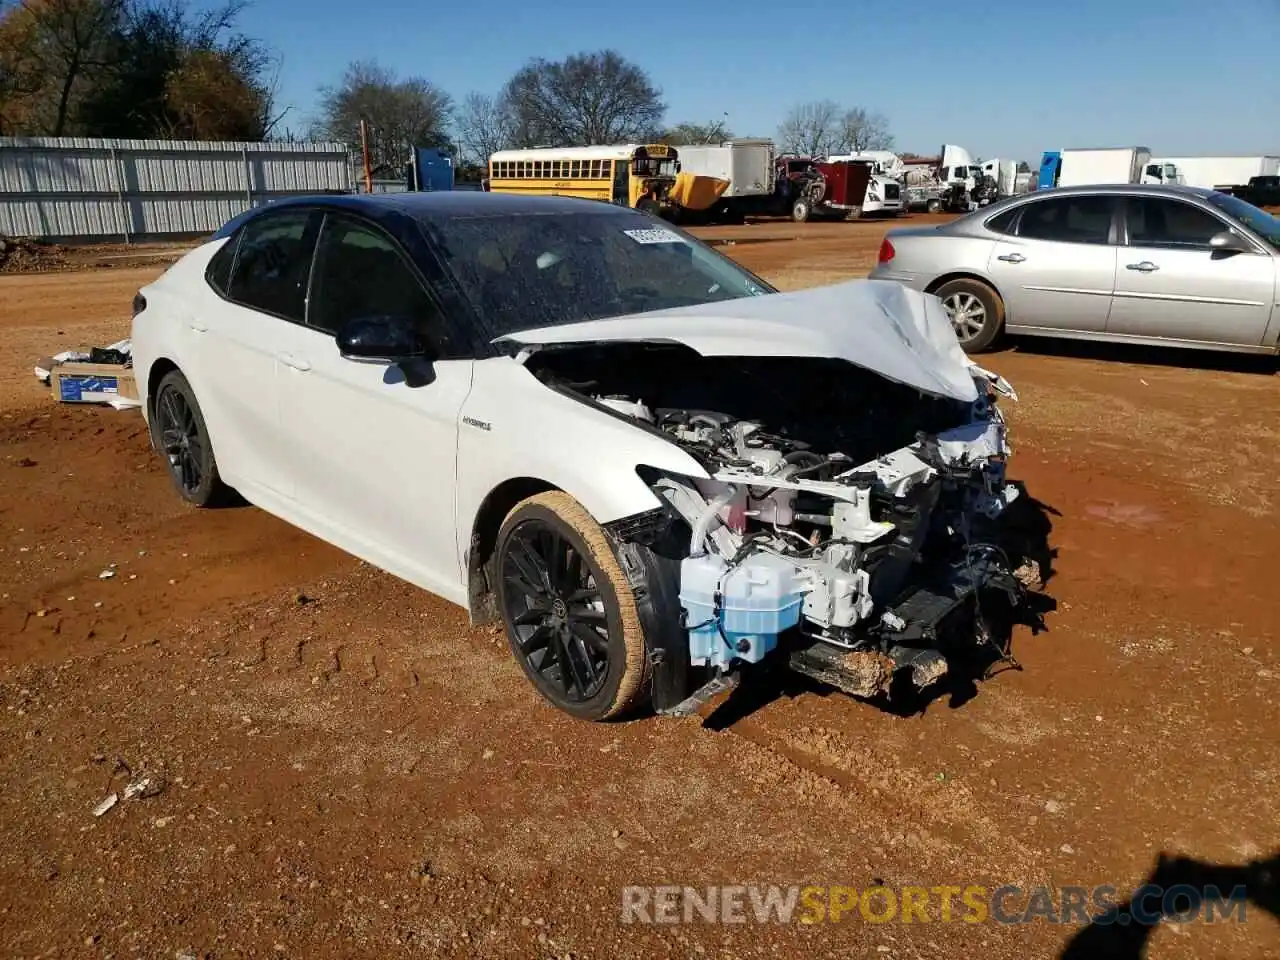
x: 180, y: 438
x: 556, y: 612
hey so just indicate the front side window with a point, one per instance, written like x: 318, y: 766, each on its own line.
x: 272, y: 263
x: 360, y: 273
x: 1161, y: 222
x: 1256, y: 219
x: 1077, y: 219
x: 523, y: 272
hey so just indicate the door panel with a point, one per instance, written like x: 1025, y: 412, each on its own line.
x: 1171, y: 283
x: 1060, y: 269
x: 237, y: 392
x: 377, y: 456
x: 239, y: 340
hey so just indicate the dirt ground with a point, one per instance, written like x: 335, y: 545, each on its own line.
x: 342, y: 767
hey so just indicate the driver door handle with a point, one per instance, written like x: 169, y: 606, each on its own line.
x: 1011, y: 257
x: 1146, y: 266
x: 297, y: 363
x: 198, y: 326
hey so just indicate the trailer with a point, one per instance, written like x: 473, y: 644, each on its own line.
x: 1210, y: 172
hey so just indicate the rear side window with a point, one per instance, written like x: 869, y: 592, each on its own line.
x: 1080, y: 219
x: 1161, y: 222
x: 218, y: 273
x: 273, y: 262
x: 361, y: 273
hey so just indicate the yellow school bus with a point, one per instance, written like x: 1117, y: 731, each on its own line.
x: 644, y: 176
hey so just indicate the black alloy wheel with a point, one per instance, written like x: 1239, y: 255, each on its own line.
x: 570, y: 613
x: 558, y: 611
x: 181, y: 437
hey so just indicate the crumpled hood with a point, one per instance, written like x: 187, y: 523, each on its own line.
x: 899, y: 333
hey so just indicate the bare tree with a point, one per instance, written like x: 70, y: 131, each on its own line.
x: 860, y: 130
x: 811, y: 129
x: 585, y: 99
x: 693, y: 133
x: 401, y: 113
x: 485, y: 125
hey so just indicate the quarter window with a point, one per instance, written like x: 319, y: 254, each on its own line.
x: 1161, y: 222
x: 219, y: 271
x: 1003, y: 222
x: 359, y: 272
x: 271, y: 266
x: 1080, y: 219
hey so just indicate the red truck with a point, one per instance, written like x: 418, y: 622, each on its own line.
x: 807, y: 188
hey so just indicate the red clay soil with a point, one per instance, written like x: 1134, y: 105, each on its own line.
x: 345, y: 768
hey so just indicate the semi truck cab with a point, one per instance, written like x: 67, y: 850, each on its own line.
x: 1162, y: 173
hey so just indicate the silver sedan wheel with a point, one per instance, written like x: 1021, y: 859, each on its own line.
x: 967, y: 314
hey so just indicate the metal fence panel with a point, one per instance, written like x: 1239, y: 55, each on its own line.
x: 78, y: 188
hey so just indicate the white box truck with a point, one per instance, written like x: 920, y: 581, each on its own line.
x: 1212, y: 172
x: 748, y: 165
x: 1102, y: 165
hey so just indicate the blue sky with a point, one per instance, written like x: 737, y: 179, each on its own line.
x: 999, y: 78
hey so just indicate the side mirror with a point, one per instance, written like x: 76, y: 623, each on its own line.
x: 384, y: 340
x: 1228, y: 241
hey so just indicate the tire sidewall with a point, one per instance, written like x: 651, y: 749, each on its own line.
x: 203, y: 494
x: 992, y: 305
x: 800, y: 211
x: 601, y: 705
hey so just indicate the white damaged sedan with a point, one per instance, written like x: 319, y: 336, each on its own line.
x: 654, y: 468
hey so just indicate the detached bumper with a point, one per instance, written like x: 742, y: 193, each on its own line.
x: 928, y: 619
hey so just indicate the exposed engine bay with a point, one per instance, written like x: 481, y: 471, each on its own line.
x: 842, y: 507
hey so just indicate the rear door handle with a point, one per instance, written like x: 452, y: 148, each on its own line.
x: 1146, y: 266
x: 297, y: 363
x: 197, y: 326
x: 1011, y: 257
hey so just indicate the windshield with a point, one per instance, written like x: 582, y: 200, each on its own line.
x: 526, y: 271
x: 1259, y: 221
x: 654, y: 167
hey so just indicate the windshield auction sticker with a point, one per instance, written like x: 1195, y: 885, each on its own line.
x: 654, y: 236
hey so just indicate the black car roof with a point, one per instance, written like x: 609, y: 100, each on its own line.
x: 432, y: 206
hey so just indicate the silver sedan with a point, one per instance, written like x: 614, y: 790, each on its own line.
x: 1169, y: 265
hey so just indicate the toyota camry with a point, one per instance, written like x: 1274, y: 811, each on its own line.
x: 652, y: 467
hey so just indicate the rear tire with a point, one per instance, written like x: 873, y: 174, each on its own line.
x: 179, y: 434
x: 934, y: 206
x: 976, y: 313
x: 570, y: 614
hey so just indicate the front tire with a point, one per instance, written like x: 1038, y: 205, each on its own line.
x: 976, y: 313
x: 179, y: 433
x: 800, y: 210
x: 570, y: 614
